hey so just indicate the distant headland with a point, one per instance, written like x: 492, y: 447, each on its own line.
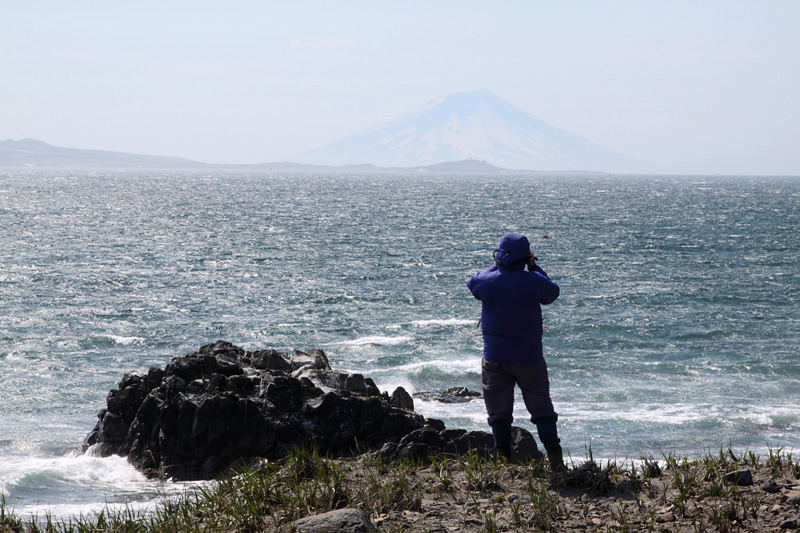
x: 32, y: 153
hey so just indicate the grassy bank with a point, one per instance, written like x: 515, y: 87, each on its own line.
x: 470, y: 493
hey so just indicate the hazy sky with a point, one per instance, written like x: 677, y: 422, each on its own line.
x: 687, y: 86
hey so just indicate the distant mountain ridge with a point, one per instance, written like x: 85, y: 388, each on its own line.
x: 30, y: 153
x: 467, y: 132
x: 471, y: 125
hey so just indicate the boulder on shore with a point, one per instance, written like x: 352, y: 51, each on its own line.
x: 338, y: 521
x: 222, y: 406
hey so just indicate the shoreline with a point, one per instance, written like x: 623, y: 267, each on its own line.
x: 378, y: 462
x: 721, y: 492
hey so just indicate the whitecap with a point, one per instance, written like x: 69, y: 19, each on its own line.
x: 398, y: 381
x: 78, y: 484
x: 446, y: 366
x: 444, y: 322
x: 669, y: 414
x: 677, y: 414
x: 379, y: 340
x: 26, y: 473
x: 124, y: 341
x: 469, y: 415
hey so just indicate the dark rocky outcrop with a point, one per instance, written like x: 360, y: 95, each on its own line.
x: 222, y: 406
x: 434, y: 438
x: 451, y: 395
x: 402, y: 399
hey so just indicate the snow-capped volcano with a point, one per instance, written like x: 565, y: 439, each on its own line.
x: 470, y: 125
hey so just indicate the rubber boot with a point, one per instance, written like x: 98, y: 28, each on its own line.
x: 503, y: 452
x: 501, y: 430
x: 555, y: 458
x: 548, y: 434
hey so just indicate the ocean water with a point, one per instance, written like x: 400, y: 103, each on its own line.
x: 677, y: 330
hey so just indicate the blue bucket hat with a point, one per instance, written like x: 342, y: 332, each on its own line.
x: 514, y: 249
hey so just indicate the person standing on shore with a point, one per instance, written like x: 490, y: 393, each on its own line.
x: 511, y: 322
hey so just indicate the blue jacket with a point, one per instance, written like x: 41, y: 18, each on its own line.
x: 511, y: 316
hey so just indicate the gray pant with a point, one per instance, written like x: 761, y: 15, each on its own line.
x: 498, y: 380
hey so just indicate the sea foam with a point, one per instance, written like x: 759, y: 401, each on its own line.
x: 444, y: 322
x: 123, y: 341
x: 80, y: 484
x: 378, y: 340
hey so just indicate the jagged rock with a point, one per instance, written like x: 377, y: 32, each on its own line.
x: 270, y: 360
x: 221, y: 406
x: 451, y: 395
x: 339, y: 521
x: 434, y: 438
x: 402, y: 399
x: 523, y: 446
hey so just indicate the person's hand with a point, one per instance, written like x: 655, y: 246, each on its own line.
x: 532, y: 262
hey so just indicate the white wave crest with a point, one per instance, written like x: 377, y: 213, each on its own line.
x: 469, y: 415
x: 378, y: 340
x: 124, y: 341
x: 444, y: 322
x: 454, y: 367
x: 76, y: 484
x: 80, y: 470
x: 680, y: 413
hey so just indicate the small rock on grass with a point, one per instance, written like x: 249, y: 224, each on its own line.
x: 793, y: 523
x: 743, y: 478
x: 339, y: 521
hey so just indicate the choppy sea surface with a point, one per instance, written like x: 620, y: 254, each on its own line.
x: 677, y: 329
